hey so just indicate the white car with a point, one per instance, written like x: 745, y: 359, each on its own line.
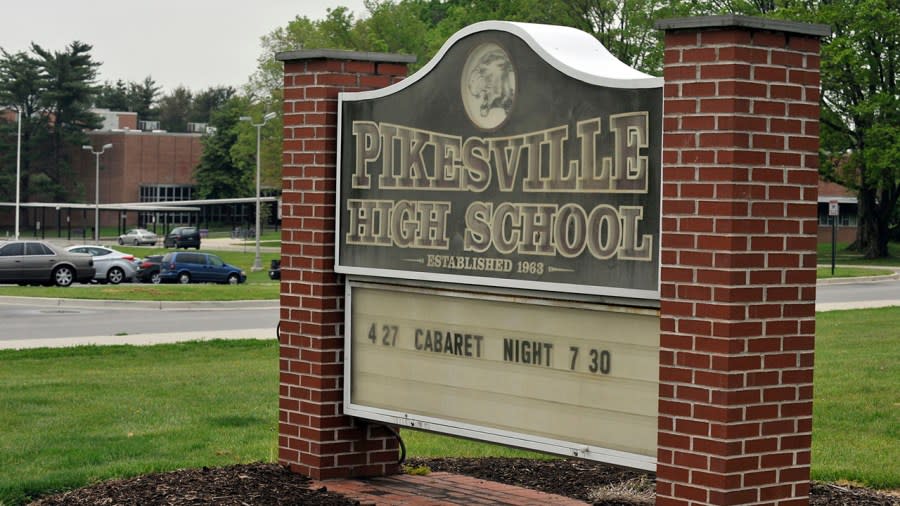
x: 138, y: 236
x: 111, y: 266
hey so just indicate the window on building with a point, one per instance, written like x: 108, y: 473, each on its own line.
x: 847, y: 217
x: 166, y: 193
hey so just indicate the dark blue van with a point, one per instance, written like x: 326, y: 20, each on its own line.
x: 184, y: 267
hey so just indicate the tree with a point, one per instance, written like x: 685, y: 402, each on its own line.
x: 217, y: 174
x: 142, y: 98
x: 20, y: 89
x: 113, y: 96
x: 397, y: 28
x: 243, y: 152
x: 137, y: 97
x: 336, y: 31
x: 54, y: 90
x: 174, y: 109
x: 860, y: 117
x: 68, y: 83
x: 205, y: 103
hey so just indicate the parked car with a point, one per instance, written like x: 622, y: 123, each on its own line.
x: 38, y: 262
x: 184, y: 267
x: 148, y: 269
x: 275, y: 269
x: 183, y: 237
x: 138, y: 236
x: 111, y: 266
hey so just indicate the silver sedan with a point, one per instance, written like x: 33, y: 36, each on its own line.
x: 138, y: 236
x: 112, y: 266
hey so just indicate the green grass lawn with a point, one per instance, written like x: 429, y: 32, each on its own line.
x: 843, y: 256
x: 74, y: 416
x: 856, y: 421
x: 145, y: 291
x: 850, y: 272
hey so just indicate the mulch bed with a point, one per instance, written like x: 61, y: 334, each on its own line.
x: 247, y: 484
x: 271, y: 484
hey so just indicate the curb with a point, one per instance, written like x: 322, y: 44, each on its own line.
x: 140, y: 339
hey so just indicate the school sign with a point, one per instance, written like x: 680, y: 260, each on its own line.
x: 477, y: 249
x: 502, y: 163
x: 499, y: 215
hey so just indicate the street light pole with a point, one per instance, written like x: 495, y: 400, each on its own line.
x: 257, y: 261
x: 97, y: 154
x: 18, y: 168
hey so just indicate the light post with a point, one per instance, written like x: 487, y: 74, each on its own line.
x: 257, y: 262
x: 97, y: 154
x: 18, y: 168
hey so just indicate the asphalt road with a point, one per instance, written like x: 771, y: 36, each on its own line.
x: 852, y: 294
x: 28, y: 323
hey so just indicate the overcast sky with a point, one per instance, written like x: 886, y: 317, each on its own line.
x: 195, y: 43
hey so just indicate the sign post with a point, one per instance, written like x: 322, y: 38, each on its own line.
x: 833, y: 213
x: 738, y: 282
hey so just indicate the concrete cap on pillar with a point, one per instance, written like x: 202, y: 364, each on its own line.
x: 739, y: 21
x: 339, y: 54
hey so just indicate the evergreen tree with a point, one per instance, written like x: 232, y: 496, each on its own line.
x: 68, y: 82
x: 113, y: 96
x: 137, y: 97
x: 142, y: 98
x: 20, y: 91
x: 174, y: 109
x: 54, y: 90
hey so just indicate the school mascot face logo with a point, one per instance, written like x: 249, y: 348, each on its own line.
x: 488, y: 86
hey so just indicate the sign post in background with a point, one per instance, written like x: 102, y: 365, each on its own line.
x: 833, y: 213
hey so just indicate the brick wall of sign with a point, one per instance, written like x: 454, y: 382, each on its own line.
x: 738, y: 271
x: 315, y: 439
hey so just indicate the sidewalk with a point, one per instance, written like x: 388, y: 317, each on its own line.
x: 138, y: 339
x: 229, y: 244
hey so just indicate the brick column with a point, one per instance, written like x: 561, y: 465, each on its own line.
x: 315, y: 439
x: 738, y: 278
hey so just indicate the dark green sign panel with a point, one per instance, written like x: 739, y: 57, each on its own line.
x: 501, y: 164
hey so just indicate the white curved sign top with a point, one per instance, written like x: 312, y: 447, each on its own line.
x: 569, y: 50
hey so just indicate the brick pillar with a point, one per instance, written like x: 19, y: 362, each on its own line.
x: 315, y: 439
x: 738, y: 278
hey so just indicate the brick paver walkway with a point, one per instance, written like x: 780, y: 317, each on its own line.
x: 439, y: 489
